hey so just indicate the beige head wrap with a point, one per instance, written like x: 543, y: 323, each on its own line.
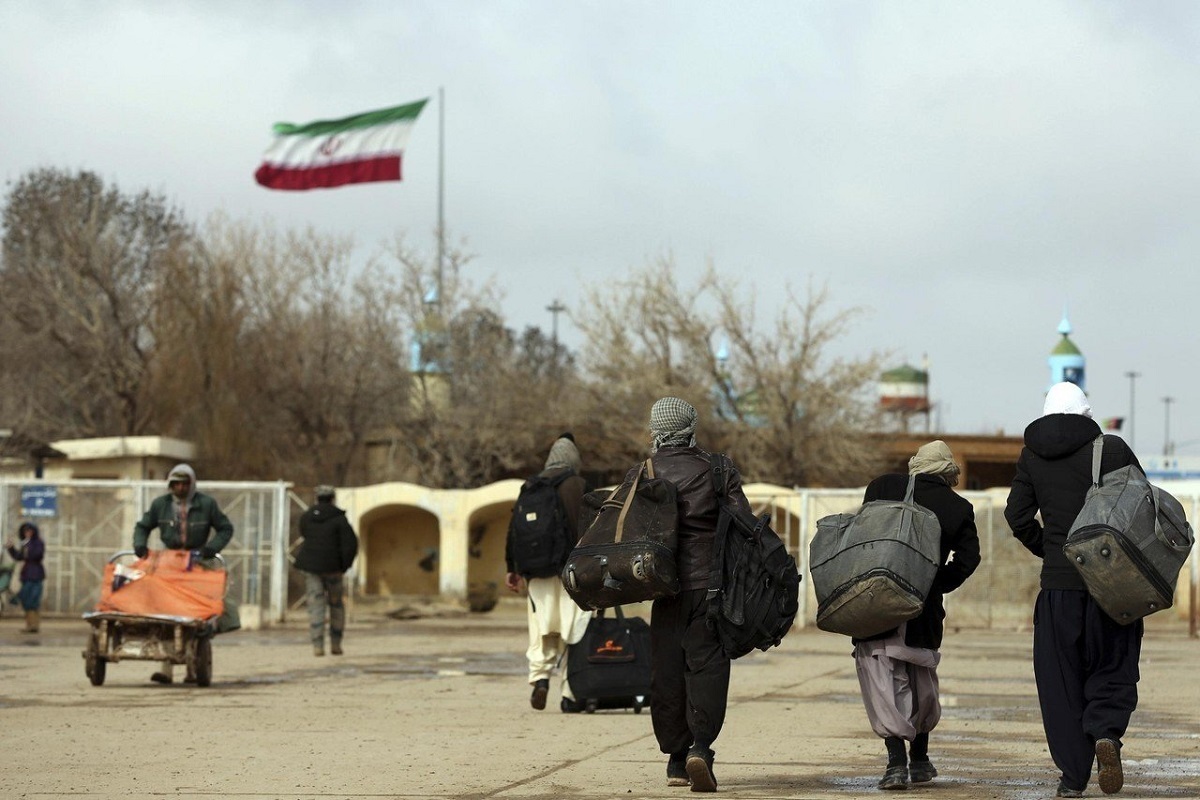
x: 934, y: 458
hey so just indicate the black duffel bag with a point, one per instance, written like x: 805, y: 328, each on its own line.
x: 627, y: 554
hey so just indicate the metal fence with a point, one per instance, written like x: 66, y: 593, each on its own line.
x: 1000, y: 594
x: 92, y: 519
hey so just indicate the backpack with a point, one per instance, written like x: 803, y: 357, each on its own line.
x: 1128, y: 542
x: 627, y: 554
x: 537, y: 533
x: 873, y: 569
x: 757, y: 584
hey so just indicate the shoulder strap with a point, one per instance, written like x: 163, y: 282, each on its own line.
x: 912, y: 485
x: 1097, y: 455
x: 719, y: 465
x: 647, y: 465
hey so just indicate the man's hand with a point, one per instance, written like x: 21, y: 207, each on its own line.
x: 207, y: 552
x: 513, y: 581
x: 141, y: 551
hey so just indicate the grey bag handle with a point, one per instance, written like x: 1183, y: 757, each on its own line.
x: 1097, y: 454
x: 906, y: 514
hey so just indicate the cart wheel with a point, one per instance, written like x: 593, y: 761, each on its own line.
x: 94, y: 665
x: 203, y: 663
x: 591, y: 706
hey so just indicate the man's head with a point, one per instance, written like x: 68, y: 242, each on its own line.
x: 935, y: 458
x: 325, y: 493
x: 1066, y: 398
x: 673, y: 423
x: 181, y: 480
x: 564, y: 453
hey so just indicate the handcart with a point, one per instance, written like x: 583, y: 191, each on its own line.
x: 121, y: 636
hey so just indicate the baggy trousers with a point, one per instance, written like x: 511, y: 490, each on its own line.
x: 1086, y: 668
x: 689, y: 679
x: 555, y: 623
x: 899, y: 686
x: 322, y: 592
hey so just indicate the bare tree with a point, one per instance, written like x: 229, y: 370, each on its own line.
x: 787, y: 410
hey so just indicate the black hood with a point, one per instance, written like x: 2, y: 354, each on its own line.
x: 1058, y: 435
x: 327, y: 511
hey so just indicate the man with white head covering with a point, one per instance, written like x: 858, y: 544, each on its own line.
x: 689, y: 680
x: 555, y: 621
x: 1085, y: 664
x: 897, y: 669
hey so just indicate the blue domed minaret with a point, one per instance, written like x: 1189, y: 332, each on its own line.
x: 1066, y: 362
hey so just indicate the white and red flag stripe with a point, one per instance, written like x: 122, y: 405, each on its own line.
x: 320, y: 155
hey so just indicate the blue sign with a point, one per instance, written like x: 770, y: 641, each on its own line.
x: 39, y: 501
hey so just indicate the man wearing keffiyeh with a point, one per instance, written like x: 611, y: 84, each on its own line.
x: 690, y: 671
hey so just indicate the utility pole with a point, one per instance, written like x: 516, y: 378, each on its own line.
x: 1167, y: 429
x: 1133, y: 376
x: 555, y: 309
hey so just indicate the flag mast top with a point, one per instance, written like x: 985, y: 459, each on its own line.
x: 441, y: 224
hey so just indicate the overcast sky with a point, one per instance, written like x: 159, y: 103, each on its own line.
x: 962, y: 170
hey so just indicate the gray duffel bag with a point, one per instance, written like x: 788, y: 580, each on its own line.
x: 1128, y: 542
x: 873, y: 569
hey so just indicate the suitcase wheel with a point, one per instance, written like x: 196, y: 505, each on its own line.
x: 590, y: 706
x: 637, y: 706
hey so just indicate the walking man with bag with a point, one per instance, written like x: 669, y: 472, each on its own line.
x: 897, y: 669
x: 689, y: 684
x: 1085, y: 664
x: 326, y: 554
x: 543, y: 529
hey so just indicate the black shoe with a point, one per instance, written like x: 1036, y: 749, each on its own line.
x: 1066, y: 791
x: 921, y: 771
x: 161, y: 677
x: 699, y: 768
x: 677, y: 774
x: 1108, y: 758
x: 894, y: 778
x: 569, y: 706
x: 540, y: 690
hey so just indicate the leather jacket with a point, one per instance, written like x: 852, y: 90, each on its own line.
x: 690, y: 469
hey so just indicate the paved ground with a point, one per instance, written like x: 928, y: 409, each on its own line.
x: 438, y: 708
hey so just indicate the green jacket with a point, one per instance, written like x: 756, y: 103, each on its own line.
x: 203, y: 515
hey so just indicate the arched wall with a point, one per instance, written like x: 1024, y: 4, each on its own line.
x: 402, y: 550
x: 488, y: 530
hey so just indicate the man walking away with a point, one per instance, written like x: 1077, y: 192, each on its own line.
x: 897, y: 669
x: 328, y: 550
x: 1084, y: 663
x: 543, y: 529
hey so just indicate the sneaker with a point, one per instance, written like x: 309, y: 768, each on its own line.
x: 1066, y: 791
x: 318, y: 649
x: 894, y: 778
x: 541, y: 688
x: 699, y: 768
x: 921, y: 772
x: 677, y: 774
x: 336, y: 648
x: 161, y: 677
x: 1108, y: 758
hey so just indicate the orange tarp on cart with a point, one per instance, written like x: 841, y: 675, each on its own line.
x: 167, y: 587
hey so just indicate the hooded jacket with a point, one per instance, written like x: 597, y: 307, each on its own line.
x: 203, y: 516
x: 329, y: 541
x: 31, y: 552
x: 1054, y: 473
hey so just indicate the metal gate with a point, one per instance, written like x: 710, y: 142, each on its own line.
x: 84, y: 522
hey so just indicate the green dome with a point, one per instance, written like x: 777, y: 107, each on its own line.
x: 904, y: 374
x: 1065, y: 347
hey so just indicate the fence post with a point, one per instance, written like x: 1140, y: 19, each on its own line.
x: 279, y: 544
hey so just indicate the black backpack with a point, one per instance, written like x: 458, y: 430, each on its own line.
x: 757, y: 583
x: 537, y: 533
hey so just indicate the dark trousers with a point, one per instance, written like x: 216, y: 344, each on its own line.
x: 689, y: 680
x: 1086, y: 667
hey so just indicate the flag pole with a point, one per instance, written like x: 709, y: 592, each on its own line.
x: 441, y: 224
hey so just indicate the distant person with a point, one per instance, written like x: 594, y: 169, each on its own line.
x: 185, y: 518
x: 328, y: 550
x: 546, y: 520
x: 1085, y: 664
x: 897, y: 669
x: 689, y: 682
x: 30, y: 549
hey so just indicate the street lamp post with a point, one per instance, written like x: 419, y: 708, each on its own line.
x: 1167, y: 425
x: 1133, y: 376
x: 555, y: 309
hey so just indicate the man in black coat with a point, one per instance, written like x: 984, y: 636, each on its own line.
x: 1085, y: 664
x: 897, y: 669
x: 328, y: 550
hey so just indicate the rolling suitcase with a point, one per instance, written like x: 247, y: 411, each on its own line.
x: 610, y: 666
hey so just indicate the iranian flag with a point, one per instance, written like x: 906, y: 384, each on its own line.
x: 320, y: 155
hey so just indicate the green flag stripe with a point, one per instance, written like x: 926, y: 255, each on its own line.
x: 367, y: 120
